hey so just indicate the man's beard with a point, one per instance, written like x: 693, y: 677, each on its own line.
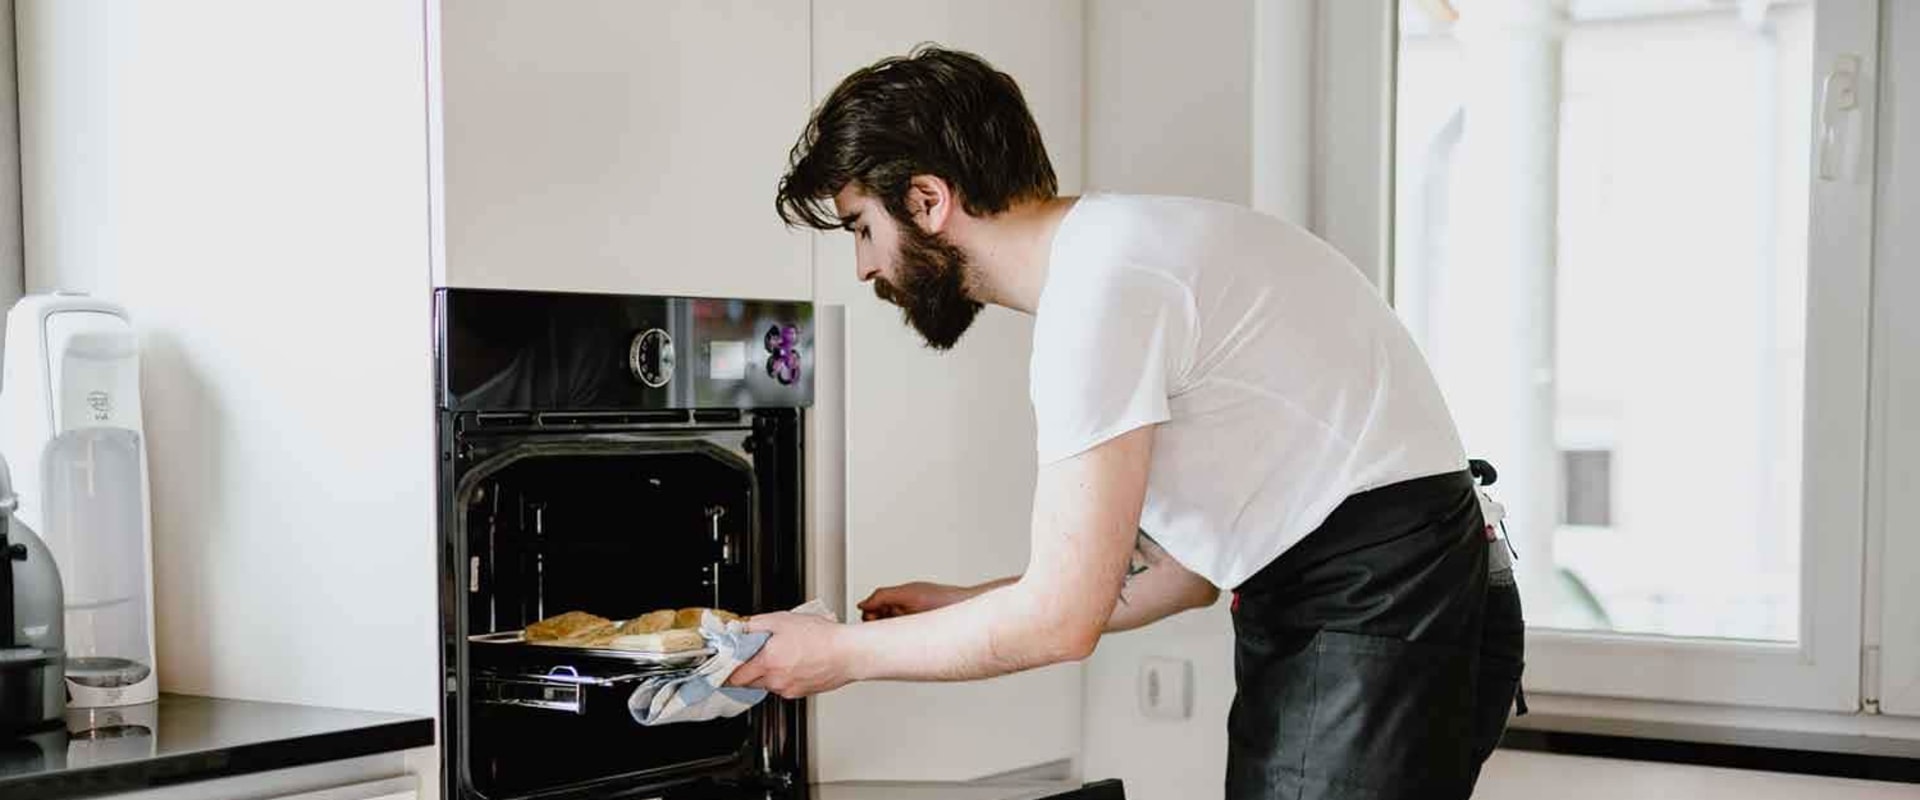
x: 932, y: 293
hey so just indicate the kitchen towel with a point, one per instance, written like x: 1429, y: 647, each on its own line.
x: 700, y: 694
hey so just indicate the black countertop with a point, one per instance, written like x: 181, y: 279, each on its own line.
x: 183, y: 738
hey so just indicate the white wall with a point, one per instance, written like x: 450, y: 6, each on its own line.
x: 1170, y: 110
x: 939, y: 447
x: 249, y: 179
x: 1156, y: 757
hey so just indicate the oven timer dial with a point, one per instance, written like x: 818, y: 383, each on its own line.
x: 783, y: 354
x: 651, y: 357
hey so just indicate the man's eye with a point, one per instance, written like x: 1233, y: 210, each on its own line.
x: 863, y: 233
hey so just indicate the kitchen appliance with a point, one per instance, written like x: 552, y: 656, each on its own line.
x: 33, y: 697
x: 619, y: 454
x: 70, y: 423
x: 612, y: 454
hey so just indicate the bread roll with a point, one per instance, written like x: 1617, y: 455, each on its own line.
x: 597, y: 636
x: 690, y: 617
x: 571, y: 625
x: 650, y: 622
x: 667, y: 641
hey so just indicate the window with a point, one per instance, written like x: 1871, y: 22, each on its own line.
x: 1631, y: 237
x: 1586, y: 499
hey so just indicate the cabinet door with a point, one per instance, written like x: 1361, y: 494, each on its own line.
x: 323, y: 781
x: 939, y: 458
x: 605, y: 145
x: 402, y: 788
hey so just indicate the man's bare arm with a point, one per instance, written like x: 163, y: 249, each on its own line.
x: 1157, y: 587
x: 1085, y: 522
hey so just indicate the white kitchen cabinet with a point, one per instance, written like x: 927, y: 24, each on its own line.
x: 612, y: 146
x: 274, y: 189
x: 395, y: 789
x: 377, y: 777
x: 939, y: 458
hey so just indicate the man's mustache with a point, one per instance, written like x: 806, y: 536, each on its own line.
x: 885, y: 291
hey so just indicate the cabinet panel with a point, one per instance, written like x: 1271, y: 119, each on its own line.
x: 601, y: 145
x: 939, y: 451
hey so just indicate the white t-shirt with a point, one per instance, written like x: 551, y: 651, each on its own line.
x: 1282, y: 381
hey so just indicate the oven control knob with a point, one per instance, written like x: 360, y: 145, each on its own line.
x: 781, y: 338
x: 650, y: 357
x: 784, y: 366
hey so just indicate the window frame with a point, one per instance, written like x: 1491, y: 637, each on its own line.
x: 1822, y: 671
x: 1893, y: 606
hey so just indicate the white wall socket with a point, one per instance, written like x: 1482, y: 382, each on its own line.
x: 1166, y: 688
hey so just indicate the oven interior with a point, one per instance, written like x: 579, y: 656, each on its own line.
x: 615, y: 525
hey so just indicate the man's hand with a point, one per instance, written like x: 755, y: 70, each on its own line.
x: 912, y: 598
x: 803, y: 656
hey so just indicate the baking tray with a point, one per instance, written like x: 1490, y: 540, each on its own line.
x: 517, y: 640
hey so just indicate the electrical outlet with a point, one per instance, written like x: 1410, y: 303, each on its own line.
x: 1166, y: 688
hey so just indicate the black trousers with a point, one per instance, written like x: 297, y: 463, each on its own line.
x: 1377, y: 657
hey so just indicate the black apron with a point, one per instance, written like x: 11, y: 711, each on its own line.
x: 1377, y: 657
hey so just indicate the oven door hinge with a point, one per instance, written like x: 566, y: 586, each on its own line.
x: 1870, y: 679
x: 775, y: 781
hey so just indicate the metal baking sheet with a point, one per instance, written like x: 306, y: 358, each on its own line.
x: 681, y: 658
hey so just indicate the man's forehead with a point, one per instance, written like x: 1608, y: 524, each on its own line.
x: 850, y: 201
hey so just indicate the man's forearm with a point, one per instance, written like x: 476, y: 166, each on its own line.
x: 1151, y: 597
x: 1002, y: 629
x: 975, y: 591
x: 1085, y: 508
x: 1156, y: 587
x: 1155, y: 592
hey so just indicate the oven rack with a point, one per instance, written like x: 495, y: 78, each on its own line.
x: 514, y: 644
x: 509, y: 671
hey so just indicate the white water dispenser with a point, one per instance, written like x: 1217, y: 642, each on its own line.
x: 70, y: 425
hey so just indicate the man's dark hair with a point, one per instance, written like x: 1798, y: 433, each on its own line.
x: 933, y: 111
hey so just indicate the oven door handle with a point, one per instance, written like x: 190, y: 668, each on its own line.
x: 561, y: 688
x: 573, y: 676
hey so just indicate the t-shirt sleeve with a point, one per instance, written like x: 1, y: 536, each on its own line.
x: 1109, y: 346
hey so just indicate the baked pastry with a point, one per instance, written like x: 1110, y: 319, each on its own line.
x: 650, y: 622
x: 568, y: 626
x: 667, y: 641
x: 690, y: 617
x: 596, y: 636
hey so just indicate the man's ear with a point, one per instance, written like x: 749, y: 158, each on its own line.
x: 931, y: 201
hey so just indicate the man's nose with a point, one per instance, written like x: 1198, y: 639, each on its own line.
x: 867, y: 272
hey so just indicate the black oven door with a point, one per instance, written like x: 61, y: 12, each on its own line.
x: 615, y: 523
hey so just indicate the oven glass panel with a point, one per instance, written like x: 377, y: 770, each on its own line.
x: 601, y: 528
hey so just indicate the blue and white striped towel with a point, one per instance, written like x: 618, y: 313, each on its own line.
x: 700, y: 695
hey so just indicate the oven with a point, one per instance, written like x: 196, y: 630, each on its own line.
x: 615, y: 455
